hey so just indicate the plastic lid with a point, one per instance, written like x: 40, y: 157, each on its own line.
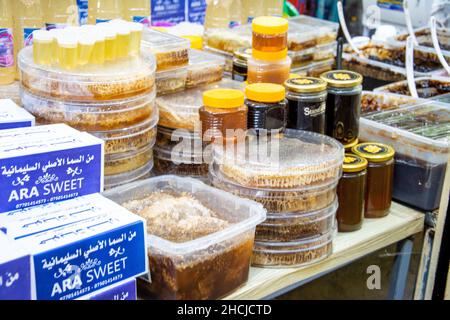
x: 196, y: 42
x: 223, y: 98
x: 243, y: 53
x: 109, y: 30
x: 270, y: 25
x: 351, y: 144
x: 122, y: 27
x: 354, y: 163
x: 67, y: 40
x: 306, y: 85
x: 42, y: 36
x: 269, y: 56
x: 87, y: 39
x: 342, y: 78
x: 374, y: 152
x: 265, y: 92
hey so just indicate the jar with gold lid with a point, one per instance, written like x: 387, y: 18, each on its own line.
x: 240, y: 58
x: 351, y: 193
x: 380, y: 177
x: 343, y: 104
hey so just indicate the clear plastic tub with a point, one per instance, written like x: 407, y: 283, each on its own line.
x: 301, y: 37
x: 228, y: 69
x: 420, y: 136
x: 374, y: 102
x: 314, y: 69
x: 130, y: 139
x: 423, y: 37
x: 278, y: 201
x: 268, y: 162
x: 181, y: 110
x: 121, y: 179
x: 11, y: 91
x: 298, y: 253
x: 99, y: 116
x: 427, y: 87
x: 326, y: 31
x: 291, y: 227
x: 318, y: 53
x: 180, y: 140
x: 171, y: 81
x: 119, y: 80
x: 204, y: 68
x: 229, y: 40
x: 171, y: 51
x: 119, y: 163
x: 190, y: 258
x: 169, y: 162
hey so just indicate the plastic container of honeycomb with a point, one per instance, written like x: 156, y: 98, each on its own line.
x: 111, y: 81
x: 118, y: 180
x: 204, y: 68
x: 99, y: 116
x: 127, y: 162
x: 171, y: 81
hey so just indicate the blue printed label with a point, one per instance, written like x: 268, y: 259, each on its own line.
x: 15, y: 281
x: 126, y: 291
x: 144, y: 20
x: 13, y: 125
x: 396, y: 5
x: 83, y: 11
x: 50, y: 177
x: 168, y: 11
x: 196, y: 11
x: 6, y: 48
x: 85, y: 266
x: 51, y: 26
x: 102, y: 20
x: 28, y: 36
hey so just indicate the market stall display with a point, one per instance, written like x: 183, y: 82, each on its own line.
x: 427, y: 87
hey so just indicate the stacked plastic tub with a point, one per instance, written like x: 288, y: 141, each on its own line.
x: 114, y: 101
x: 298, y: 190
x: 179, y: 148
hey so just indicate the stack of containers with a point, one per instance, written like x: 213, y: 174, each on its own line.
x: 112, y: 100
x: 269, y: 62
x: 179, y: 147
x: 298, y: 190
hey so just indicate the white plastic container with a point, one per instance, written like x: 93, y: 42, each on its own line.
x: 208, y: 267
x: 324, y: 31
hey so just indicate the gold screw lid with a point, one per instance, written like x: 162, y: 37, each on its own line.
x: 351, y: 144
x: 374, y: 152
x: 354, y: 163
x: 243, y: 53
x: 305, y: 84
x: 342, y: 78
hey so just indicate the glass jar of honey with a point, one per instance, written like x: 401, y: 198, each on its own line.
x: 380, y: 177
x: 223, y: 115
x: 306, y: 97
x: 240, y: 58
x: 266, y: 107
x: 351, y: 193
x: 343, y: 104
x: 269, y: 34
x: 268, y: 67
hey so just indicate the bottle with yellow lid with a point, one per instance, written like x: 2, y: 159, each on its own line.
x: 67, y: 51
x: 380, y: 177
x: 269, y: 34
x: 351, y: 193
x: 306, y: 97
x: 266, y: 106
x: 223, y: 115
x: 42, y: 47
x: 343, y: 104
x: 268, y: 67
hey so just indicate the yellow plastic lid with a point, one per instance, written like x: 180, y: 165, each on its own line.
x: 354, y: 163
x: 223, y: 98
x: 265, y: 92
x: 269, y: 56
x: 196, y: 42
x: 270, y: 25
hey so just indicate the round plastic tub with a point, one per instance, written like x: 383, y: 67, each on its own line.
x: 294, y: 226
x: 128, y: 161
x: 278, y: 201
x: 118, y: 80
x: 171, y: 81
x: 298, y: 253
x: 130, y: 139
x: 275, y: 166
x: 168, y: 139
x: 99, y: 116
x: 128, y: 177
x: 192, y: 165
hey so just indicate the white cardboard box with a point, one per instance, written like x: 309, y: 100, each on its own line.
x: 123, y: 291
x: 12, y: 116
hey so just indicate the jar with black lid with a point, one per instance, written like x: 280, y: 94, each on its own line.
x: 266, y: 107
x: 306, y: 98
x: 351, y: 193
x: 343, y: 104
x: 240, y: 68
x: 380, y: 177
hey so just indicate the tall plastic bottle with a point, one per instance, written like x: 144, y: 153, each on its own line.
x: 104, y: 10
x: 252, y: 9
x: 223, y: 13
x: 28, y: 17
x: 137, y: 11
x: 273, y: 7
x: 7, y: 71
x: 59, y: 14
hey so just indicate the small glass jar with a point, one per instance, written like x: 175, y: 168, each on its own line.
x: 266, y: 107
x: 240, y: 58
x: 269, y: 34
x: 223, y: 115
x: 266, y: 67
x: 343, y: 104
x: 306, y: 97
x: 351, y: 193
x: 380, y: 177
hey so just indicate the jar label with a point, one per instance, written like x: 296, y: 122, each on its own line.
x: 141, y: 19
x: 28, y: 36
x: 315, y: 110
x: 6, y: 48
